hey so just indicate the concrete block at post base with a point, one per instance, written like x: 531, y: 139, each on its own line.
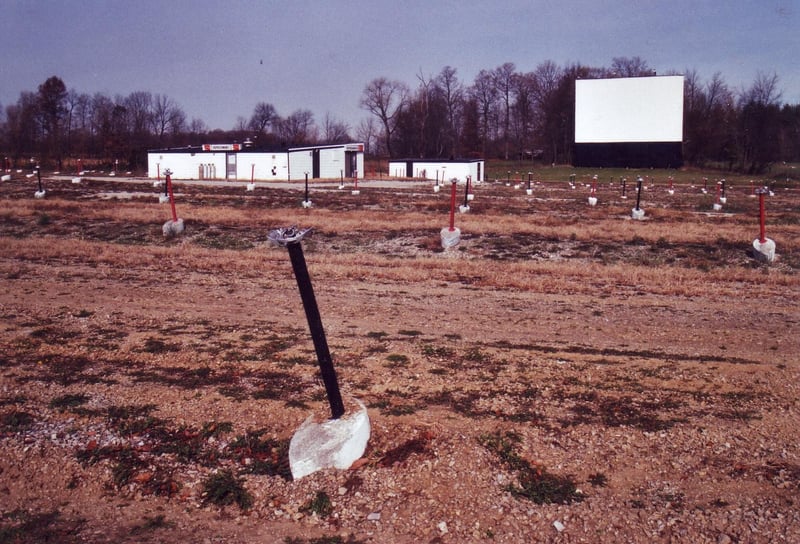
x: 307, y: 204
x: 592, y: 201
x: 464, y: 208
x: 335, y: 443
x: 637, y: 214
x: 450, y: 238
x: 764, y: 251
x: 163, y: 199
x: 39, y: 194
x: 6, y: 177
x: 172, y: 228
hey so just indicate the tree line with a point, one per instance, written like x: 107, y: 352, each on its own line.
x: 502, y: 113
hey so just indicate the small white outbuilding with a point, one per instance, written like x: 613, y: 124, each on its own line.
x: 242, y: 162
x: 438, y: 169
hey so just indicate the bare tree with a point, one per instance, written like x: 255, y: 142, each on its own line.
x: 453, y: 93
x: 264, y: 115
x: 503, y: 77
x: 385, y: 99
x: 166, y: 116
x: 484, y: 92
x: 630, y: 67
x: 334, y: 131
x: 764, y: 91
x: 368, y: 132
x: 139, y: 106
x: 298, y: 128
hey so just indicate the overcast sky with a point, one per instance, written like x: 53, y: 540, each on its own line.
x: 218, y: 58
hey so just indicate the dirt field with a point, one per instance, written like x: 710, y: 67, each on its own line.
x: 564, y: 374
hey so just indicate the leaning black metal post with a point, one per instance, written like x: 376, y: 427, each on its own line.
x: 291, y: 238
x: 638, y: 191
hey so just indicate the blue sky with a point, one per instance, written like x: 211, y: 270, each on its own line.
x: 217, y: 59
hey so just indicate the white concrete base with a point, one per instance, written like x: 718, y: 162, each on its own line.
x: 163, y: 199
x: 436, y: 188
x: 251, y: 186
x: 355, y: 192
x: 671, y: 191
x: 717, y: 206
x: 156, y: 184
x: 335, y: 443
x: 529, y: 192
x: 517, y: 186
x: 637, y: 214
x: 463, y: 209
x: 76, y: 180
x: 764, y: 252
x: 39, y: 194
x: 7, y: 177
x: 704, y: 191
x: 307, y: 204
x: 450, y: 238
x: 341, y: 187
x: 723, y: 199
x: 592, y: 201
x: 172, y: 228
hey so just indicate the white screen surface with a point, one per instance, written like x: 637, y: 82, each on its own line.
x: 631, y: 109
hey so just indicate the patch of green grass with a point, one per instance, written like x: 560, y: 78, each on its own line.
x: 223, y: 488
x: 320, y: 505
x: 264, y: 455
x: 351, y: 539
x: 66, y: 402
x: 397, y: 360
x: 598, y: 479
x: 156, y: 345
x: 152, y: 524
x: 16, y: 421
x: 535, y: 483
x: 442, y: 352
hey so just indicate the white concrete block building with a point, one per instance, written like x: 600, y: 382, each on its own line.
x: 438, y: 169
x: 240, y: 162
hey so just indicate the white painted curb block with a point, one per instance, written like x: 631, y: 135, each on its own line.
x: 335, y: 443
x: 764, y: 252
x: 637, y: 214
x: 449, y: 237
x: 171, y: 228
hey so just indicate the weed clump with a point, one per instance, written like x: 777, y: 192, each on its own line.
x: 320, y: 505
x: 535, y: 483
x: 224, y: 489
